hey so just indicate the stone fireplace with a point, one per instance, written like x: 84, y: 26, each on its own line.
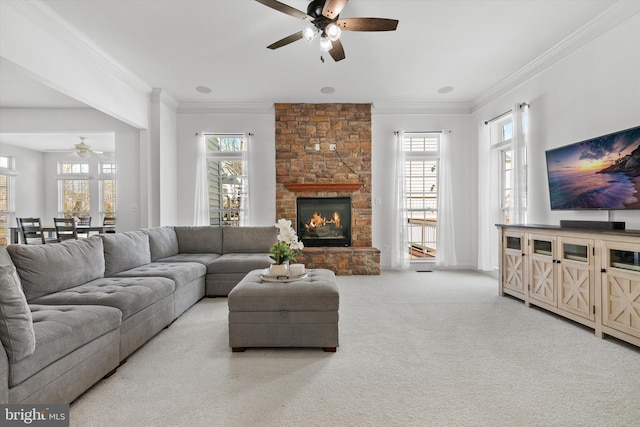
x: 324, y: 221
x: 323, y: 151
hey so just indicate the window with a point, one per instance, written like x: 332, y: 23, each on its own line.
x: 502, y: 145
x: 228, y: 180
x: 421, y: 189
x: 74, y: 191
x: 505, y: 183
x: 107, y: 186
x: 107, y: 168
x: 7, y: 210
x: 73, y: 168
x: 75, y: 198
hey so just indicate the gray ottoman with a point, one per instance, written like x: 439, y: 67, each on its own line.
x: 303, y: 313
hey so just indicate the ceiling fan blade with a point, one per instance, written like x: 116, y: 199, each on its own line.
x: 337, y: 51
x: 281, y: 7
x: 332, y: 8
x: 367, y: 24
x: 285, y: 41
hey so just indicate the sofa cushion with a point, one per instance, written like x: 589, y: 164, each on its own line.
x: 123, y: 251
x: 163, y: 242
x: 248, y: 239
x: 239, y: 263
x: 16, y: 324
x: 204, y: 259
x: 5, y: 258
x: 182, y: 273
x: 44, y: 269
x: 128, y: 294
x: 199, y: 240
x: 60, y: 330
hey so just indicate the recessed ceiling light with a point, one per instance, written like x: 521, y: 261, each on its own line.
x: 327, y: 90
x: 445, y: 89
x: 203, y: 89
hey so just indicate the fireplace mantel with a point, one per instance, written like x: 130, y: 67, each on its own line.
x: 323, y: 187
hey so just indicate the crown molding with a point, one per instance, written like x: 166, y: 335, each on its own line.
x: 52, y: 22
x: 601, y: 24
x: 163, y: 97
x: 225, y: 108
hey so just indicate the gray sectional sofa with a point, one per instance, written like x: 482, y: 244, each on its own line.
x: 72, y: 312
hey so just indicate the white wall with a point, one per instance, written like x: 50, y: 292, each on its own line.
x: 262, y: 152
x: 29, y: 181
x: 593, y: 92
x: 66, y: 120
x: 163, y: 160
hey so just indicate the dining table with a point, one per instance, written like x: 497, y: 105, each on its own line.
x: 50, y: 231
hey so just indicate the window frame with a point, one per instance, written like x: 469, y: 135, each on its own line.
x: 66, y: 176
x: 422, y: 156
x: 500, y: 145
x: 107, y: 173
x: 219, y: 215
x: 7, y: 170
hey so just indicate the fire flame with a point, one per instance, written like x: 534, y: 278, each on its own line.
x: 318, y: 220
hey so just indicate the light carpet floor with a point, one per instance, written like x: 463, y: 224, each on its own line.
x: 416, y: 349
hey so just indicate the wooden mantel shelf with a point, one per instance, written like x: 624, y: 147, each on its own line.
x: 323, y: 187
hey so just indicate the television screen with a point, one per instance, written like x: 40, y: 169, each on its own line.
x: 599, y: 173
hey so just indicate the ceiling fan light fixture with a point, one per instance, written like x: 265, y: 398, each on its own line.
x: 325, y: 44
x: 309, y: 33
x: 82, y: 154
x: 333, y: 31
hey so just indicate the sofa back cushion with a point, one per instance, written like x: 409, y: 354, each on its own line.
x: 5, y: 258
x: 163, y: 242
x: 45, y: 269
x: 199, y: 240
x: 16, y: 323
x: 248, y: 239
x: 123, y: 251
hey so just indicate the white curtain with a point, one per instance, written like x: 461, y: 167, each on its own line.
x: 487, y: 233
x: 245, y: 205
x: 518, y: 208
x: 399, y: 248
x: 201, y: 206
x: 446, y: 251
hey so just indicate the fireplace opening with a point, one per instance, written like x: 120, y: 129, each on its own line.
x: 324, y: 221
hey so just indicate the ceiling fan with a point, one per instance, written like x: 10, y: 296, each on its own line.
x: 324, y: 15
x: 81, y: 150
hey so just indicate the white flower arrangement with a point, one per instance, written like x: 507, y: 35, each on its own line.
x: 288, y: 244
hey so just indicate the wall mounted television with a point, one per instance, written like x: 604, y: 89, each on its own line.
x: 599, y: 173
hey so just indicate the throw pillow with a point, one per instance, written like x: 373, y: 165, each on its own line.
x: 16, y: 323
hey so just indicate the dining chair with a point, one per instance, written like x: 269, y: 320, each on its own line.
x: 65, y: 229
x: 32, y: 234
x: 109, y: 220
x: 86, y: 221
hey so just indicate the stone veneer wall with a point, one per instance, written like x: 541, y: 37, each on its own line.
x: 299, y: 127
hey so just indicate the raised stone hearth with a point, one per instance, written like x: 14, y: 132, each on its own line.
x: 307, y: 167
